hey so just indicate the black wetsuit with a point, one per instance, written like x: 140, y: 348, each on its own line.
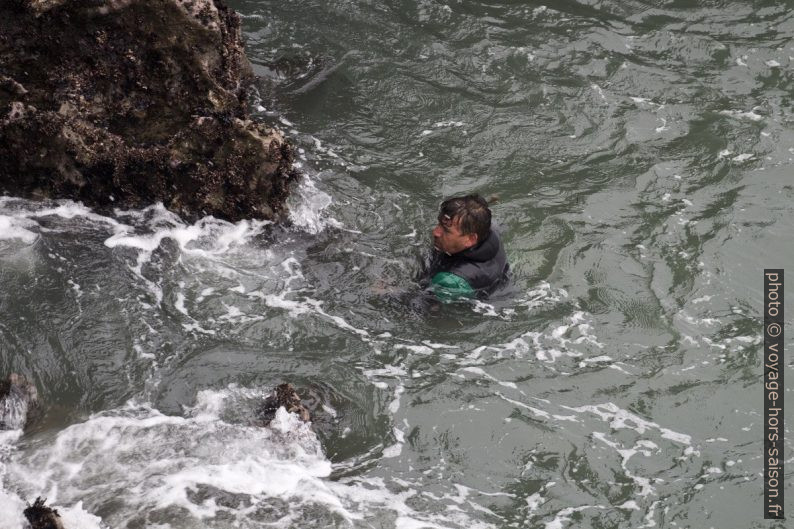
x: 483, y: 268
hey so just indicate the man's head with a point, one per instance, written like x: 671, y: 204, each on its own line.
x: 463, y: 222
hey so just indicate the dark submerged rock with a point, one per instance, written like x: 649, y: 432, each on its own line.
x: 18, y: 399
x: 124, y: 103
x: 42, y: 517
x: 284, y: 395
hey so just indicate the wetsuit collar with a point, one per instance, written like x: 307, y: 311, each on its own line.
x: 483, y: 251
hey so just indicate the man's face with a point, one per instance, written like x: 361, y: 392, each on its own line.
x: 448, y: 238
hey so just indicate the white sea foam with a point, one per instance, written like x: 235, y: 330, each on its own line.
x: 595, y: 360
x: 7, y: 440
x: 389, y: 371
x: 11, y: 507
x: 743, y: 157
x: 599, y: 90
x: 486, y: 309
x: 640, y: 447
x: 164, y: 458
x: 208, y: 237
x: 16, y: 228
x: 204, y: 293
x: 541, y: 295
x: 533, y: 502
x: 751, y: 115
x: 479, y: 371
x: 148, y: 227
x: 145, y: 232
x: 537, y: 411
x: 435, y: 345
x: 564, y: 340
x: 619, y: 418
x: 77, y: 516
x: 295, y: 308
x: 574, y: 338
x: 444, y: 124
x: 419, y: 349
x: 161, y: 462
x: 179, y: 304
x: 308, y: 205
x: 565, y: 516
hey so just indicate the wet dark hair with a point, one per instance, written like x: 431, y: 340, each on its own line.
x: 473, y: 212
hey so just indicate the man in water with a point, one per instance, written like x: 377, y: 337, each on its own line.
x: 468, y: 258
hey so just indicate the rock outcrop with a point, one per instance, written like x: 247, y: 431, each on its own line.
x: 18, y: 400
x: 286, y: 396
x: 123, y: 103
x: 42, y: 517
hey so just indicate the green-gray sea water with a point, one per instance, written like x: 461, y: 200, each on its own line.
x: 641, y: 153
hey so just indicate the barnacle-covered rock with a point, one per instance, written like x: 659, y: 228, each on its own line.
x: 123, y: 103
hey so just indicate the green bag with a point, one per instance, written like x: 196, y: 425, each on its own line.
x: 449, y: 287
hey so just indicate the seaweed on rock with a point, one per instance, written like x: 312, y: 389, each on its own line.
x: 42, y: 517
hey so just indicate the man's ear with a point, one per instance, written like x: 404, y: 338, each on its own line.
x: 473, y: 239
